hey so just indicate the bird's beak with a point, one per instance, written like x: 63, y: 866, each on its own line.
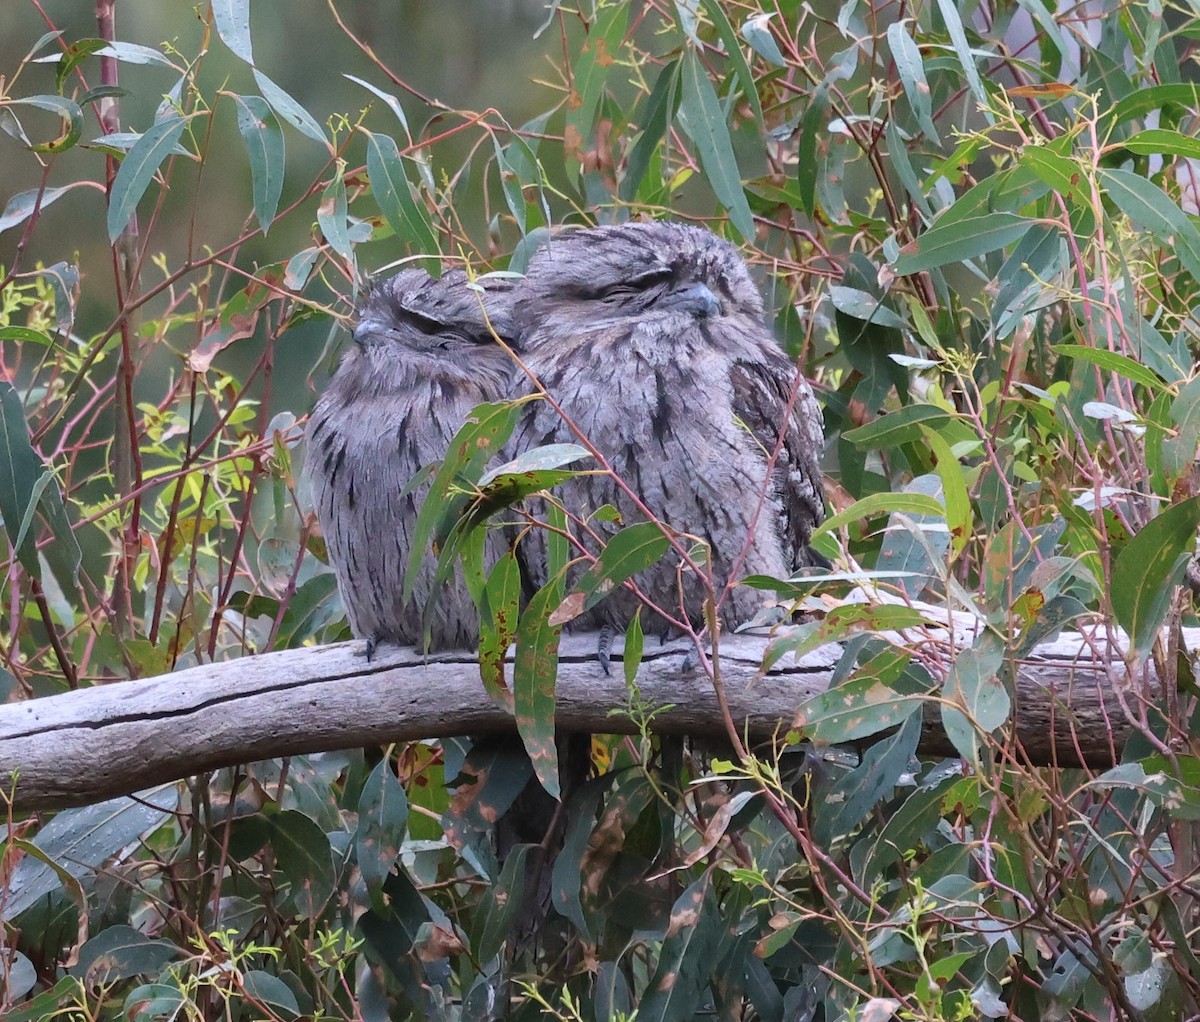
x: 363, y: 330
x: 697, y: 299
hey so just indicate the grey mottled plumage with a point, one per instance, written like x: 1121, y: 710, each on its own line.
x: 423, y: 358
x: 651, y: 337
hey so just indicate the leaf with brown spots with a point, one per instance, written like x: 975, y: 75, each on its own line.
x: 382, y: 816
x: 492, y: 777
x: 686, y: 960
x: 498, y: 911
x: 498, y: 619
x: 535, y: 672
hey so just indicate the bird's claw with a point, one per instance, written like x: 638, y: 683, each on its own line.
x: 604, y: 648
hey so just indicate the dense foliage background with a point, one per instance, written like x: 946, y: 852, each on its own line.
x: 975, y: 225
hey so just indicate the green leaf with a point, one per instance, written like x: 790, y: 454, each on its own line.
x: 733, y: 51
x: 1161, y: 140
x: 962, y: 49
x: 263, y: 139
x: 1148, y: 569
x: 390, y: 186
x: 392, y: 102
x: 895, y: 428
x: 138, y: 169
x: 25, y: 335
x: 1147, y: 100
x: 686, y: 960
x: 701, y: 117
x: 121, y: 952
x: 975, y: 698
x: 333, y: 217
x: 839, y: 624
x: 482, y: 436
x: 77, y: 841
x: 539, y: 459
x: 1179, y: 448
x: 814, y: 130
x: 498, y: 625
x: 1148, y: 205
x: 152, y: 1002
x: 264, y: 988
x: 20, y: 207
x: 1113, y: 362
x: 590, y: 71
x: 631, y: 550
x: 880, y: 504
x: 861, y: 707
x: 907, y: 56
x: 757, y: 32
x: 535, y: 672
x: 865, y: 306
x: 133, y: 53
x: 382, y: 816
x: 635, y: 643
x: 232, y: 19
x: 954, y: 490
x: 394, y: 922
x: 1057, y: 171
x: 74, y: 55
x: 1154, y: 779
x: 289, y: 109
x: 961, y: 240
x: 856, y: 792
x: 70, y: 115
x: 501, y: 905
x: 510, y: 185
x: 567, y: 877
x: 24, y: 480
x: 654, y: 117
x: 304, y: 857
x: 491, y: 778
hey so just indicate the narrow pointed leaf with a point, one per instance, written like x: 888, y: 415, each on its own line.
x: 657, y: 111
x: 263, y: 139
x: 733, y: 50
x: 501, y: 905
x: 382, y: 816
x: 1148, y: 569
x: 289, y: 109
x: 703, y: 120
x: 907, y: 56
x: 631, y: 550
x: 70, y: 115
x: 976, y: 700
x: 138, y: 169
x: 1113, y: 362
x: 1148, y: 206
x: 20, y: 207
x: 535, y: 672
x: 962, y: 49
x: 961, y: 240
x: 332, y: 218
x: 390, y: 186
x: 232, y: 18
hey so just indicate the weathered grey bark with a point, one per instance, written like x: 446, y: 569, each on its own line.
x: 88, y: 745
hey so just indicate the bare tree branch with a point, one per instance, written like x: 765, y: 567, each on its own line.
x: 87, y: 745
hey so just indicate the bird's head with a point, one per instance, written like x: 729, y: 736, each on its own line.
x: 441, y: 318
x: 644, y: 270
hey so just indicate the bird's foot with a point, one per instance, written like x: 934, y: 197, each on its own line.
x: 371, y: 646
x: 691, y: 659
x: 604, y: 648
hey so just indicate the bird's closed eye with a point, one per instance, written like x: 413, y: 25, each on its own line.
x: 635, y: 285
